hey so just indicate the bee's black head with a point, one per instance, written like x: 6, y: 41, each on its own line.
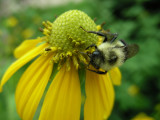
x: 96, y: 58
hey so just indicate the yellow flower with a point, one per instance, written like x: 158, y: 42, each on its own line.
x: 64, y: 44
x: 142, y: 116
x: 133, y: 90
x: 27, y: 33
x: 12, y: 21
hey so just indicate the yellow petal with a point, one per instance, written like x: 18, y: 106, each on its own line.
x: 115, y: 76
x: 25, y: 47
x: 63, y: 99
x: 20, y: 62
x: 32, y: 85
x: 99, y: 96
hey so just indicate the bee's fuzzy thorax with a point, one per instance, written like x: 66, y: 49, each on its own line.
x: 107, y: 48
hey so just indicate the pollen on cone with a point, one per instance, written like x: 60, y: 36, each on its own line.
x: 67, y: 32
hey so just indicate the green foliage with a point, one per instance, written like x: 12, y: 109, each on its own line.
x: 135, y: 22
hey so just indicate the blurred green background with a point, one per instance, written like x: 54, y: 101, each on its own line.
x: 135, y: 21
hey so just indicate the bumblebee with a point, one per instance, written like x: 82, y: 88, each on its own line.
x: 110, y: 53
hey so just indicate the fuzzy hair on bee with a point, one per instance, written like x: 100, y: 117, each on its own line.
x: 111, y: 53
x: 112, y: 56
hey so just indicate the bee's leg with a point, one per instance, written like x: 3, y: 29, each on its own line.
x: 93, y: 45
x: 98, y: 33
x: 94, y: 32
x: 99, y: 72
x: 115, y: 36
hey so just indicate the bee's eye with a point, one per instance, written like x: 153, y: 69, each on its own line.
x: 96, y: 59
x: 95, y: 54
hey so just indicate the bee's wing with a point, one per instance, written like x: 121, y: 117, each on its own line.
x: 132, y: 50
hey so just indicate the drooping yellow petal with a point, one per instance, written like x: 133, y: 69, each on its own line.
x: 32, y: 85
x: 63, y: 99
x: 26, y: 46
x: 99, y: 96
x: 20, y: 62
x: 115, y: 76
